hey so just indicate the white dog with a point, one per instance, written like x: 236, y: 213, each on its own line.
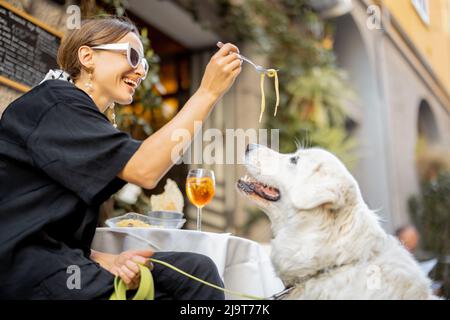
x: 327, y: 243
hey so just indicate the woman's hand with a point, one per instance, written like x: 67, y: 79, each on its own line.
x: 124, y: 265
x: 221, y: 71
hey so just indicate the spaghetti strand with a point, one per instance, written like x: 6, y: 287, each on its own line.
x: 263, y: 98
x: 271, y: 73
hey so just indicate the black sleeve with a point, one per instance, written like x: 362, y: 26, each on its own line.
x: 78, y: 147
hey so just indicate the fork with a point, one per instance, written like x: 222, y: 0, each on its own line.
x: 258, y: 68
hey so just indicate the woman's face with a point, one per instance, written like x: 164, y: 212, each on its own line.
x: 112, y: 68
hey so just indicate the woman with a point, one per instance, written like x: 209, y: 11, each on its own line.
x: 60, y: 158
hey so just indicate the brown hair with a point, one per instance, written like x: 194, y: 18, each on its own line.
x: 93, y: 32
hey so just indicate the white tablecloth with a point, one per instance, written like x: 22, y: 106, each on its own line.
x: 243, y: 264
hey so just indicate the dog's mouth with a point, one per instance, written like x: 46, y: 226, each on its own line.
x: 250, y: 185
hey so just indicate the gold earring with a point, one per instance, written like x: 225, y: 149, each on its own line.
x: 89, y: 85
x: 113, y: 115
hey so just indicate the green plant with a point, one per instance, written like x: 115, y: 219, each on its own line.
x: 430, y: 213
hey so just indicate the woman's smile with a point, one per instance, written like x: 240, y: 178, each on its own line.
x: 130, y: 84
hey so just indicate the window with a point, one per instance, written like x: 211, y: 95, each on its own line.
x: 423, y: 9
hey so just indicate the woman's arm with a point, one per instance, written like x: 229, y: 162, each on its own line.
x: 154, y: 158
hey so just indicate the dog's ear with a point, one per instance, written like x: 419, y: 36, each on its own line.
x: 310, y: 197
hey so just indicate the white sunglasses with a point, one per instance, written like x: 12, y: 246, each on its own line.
x: 133, y: 56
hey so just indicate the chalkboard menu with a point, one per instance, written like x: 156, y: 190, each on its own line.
x: 28, y: 48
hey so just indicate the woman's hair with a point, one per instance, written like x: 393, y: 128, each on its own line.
x: 93, y: 32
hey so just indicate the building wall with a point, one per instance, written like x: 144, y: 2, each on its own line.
x: 433, y: 39
x: 406, y: 90
x: 391, y: 81
x: 358, y: 52
x: 407, y: 82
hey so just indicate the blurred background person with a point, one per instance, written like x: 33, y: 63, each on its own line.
x: 409, y: 237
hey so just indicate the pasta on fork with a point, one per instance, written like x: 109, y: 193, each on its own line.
x: 271, y: 73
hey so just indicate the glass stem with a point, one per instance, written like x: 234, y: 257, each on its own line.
x: 199, y: 219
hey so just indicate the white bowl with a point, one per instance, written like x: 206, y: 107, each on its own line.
x: 166, y: 215
x: 166, y: 219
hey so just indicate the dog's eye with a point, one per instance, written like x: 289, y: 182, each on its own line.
x: 294, y: 160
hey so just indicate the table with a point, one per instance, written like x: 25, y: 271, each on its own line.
x: 243, y: 264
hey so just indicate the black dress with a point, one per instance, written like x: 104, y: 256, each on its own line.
x: 59, y: 160
x: 59, y: 157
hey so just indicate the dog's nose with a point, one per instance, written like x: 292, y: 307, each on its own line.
x: 250, y: 147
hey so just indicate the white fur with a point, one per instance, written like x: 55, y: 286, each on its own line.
x: 321, y: 221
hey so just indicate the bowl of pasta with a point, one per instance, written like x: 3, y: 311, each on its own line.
x: 154, y: 219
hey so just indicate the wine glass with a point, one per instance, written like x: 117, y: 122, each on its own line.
x: 200, y: 184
